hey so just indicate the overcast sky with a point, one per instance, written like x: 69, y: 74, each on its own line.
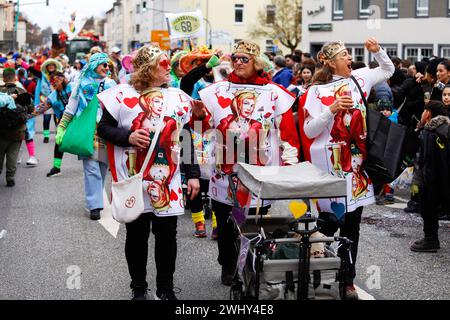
x: 57, y: 14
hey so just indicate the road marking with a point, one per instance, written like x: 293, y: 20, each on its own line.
x: 2, y: 233
x: 400, y: 199
x: 107, y: 220
x: 397, y: 205
x: 363, y: 295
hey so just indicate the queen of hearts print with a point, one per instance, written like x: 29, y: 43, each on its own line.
x: 348, y: 139
x: 162, y: 167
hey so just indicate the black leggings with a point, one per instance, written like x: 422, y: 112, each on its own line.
x: 349, y: 229
x: 196, y: 205
x: 47, y: 119
x: 56, y: 153
x: 136, y: 249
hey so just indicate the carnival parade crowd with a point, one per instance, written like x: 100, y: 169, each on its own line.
x: 289, y: 109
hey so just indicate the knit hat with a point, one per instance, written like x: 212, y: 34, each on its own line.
x: 177, y: 57
x: 247, y: 47
x: 384, y: 104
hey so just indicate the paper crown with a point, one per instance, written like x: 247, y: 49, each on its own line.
x: 145, y: 55
x: 248, y: 47
x: 330, y: 50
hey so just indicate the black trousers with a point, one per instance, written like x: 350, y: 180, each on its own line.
x: 227, y: 237
x: 136, y: 249
x: 349, y: 229
x: 196, y: 205
x: 429, y: 210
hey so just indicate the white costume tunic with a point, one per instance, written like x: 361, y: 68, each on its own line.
x: 338, y: 141
x: 252, y: 114
x: 161, y: 178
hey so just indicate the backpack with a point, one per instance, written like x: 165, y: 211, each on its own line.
x: 13, y: 119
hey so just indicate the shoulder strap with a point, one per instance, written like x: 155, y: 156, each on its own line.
x: 360, y: 92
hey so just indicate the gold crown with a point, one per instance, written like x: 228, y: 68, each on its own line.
x: 330, y: 50
x: 145, y: 55
x: 248, y: 47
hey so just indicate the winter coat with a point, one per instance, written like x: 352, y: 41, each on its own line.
x: 434, y: 162
x: 283, y: 77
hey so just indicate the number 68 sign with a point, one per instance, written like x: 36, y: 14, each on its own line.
x: 185, y: 25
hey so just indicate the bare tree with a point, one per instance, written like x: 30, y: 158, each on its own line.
x: 282, y: 21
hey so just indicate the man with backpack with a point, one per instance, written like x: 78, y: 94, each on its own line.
x: 15, y: 106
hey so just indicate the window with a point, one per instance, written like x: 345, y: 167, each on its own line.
x: 270, y: 14
x: 364, y: 11
x: 270, y: 46
x: 238, y: 13
x: 138, y: 8
x: 357, y: 53
x: 445, y: 52
x: 422, y: 7
x: 338, y: 9
x: 391, y: 51
x: 138, y: 28
x: 414, y: 54
x: 392, y: 8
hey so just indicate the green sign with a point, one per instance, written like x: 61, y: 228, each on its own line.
x: 320, y: 27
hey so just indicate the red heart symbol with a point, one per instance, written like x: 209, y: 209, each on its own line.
x: 131, y: 102
x: 328, y: 101
x: 273, y: 108
x: 180, y: 190
x: 186, y: 109
x: 224, y: 102
x: 130, y: 202
x: 173, y: 196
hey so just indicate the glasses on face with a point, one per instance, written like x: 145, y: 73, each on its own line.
x: 164, y: 63
x: 244, y: 60
x: 105, y: 65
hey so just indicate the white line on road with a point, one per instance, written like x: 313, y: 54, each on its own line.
x: 400, y: 199
x: 363, y: 295
x: 2, y: 233
x: 107, y: 221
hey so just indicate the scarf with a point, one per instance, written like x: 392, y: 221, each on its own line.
x: 260, y: 78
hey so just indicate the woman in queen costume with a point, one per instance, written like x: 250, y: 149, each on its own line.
x: 333, y: 129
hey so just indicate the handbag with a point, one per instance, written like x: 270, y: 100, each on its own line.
x: 385, y: 145
x: 79, y: 136
x: 127, y: 195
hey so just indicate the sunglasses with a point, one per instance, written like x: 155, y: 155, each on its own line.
x: 105, y: 65
x: 244, y: 60
x: 165, y: 63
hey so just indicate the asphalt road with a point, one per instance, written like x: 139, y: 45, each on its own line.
x: 51, y: 250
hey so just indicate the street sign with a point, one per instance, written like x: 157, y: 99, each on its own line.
x: 320, y: 27
x: 185, y: 25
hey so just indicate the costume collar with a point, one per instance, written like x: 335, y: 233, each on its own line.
x: 260, y: 78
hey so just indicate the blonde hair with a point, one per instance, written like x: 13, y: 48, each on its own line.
x: 147, y: 96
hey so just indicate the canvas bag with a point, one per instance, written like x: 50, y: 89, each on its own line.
x: 79, y: 136
x: 385, y: 140
x: 127, y: 195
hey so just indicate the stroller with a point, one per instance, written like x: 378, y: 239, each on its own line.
x: 289, y: 273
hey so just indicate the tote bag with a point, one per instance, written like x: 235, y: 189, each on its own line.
x: 79, y: 136
x: 128, y: 195
x: 385, y: 141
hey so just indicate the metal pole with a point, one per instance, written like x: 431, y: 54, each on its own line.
x: 16, y: 23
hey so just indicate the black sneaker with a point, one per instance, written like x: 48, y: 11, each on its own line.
x: 227, y: 276
x: 140, y: 294
x: 54, y: 172
x: 10, y: 183
x: 95, y: 214
x: 426, y: 245
x: 167, y: 294
x: 46, y: 139
x: 412, y: 207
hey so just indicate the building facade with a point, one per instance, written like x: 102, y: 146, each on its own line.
x: 129, y: 23
x: 6, y: 25
x: 408, y: 29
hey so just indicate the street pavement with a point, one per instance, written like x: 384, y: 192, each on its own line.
x: 51, y: 250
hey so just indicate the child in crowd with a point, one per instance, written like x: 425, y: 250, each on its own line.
x: 446, y: 99
x: 387, y: 192
x: 433, y: 173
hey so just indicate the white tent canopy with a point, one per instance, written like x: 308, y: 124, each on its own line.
x: 303, y: 180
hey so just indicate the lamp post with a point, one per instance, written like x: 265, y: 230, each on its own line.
x: 210, y: 32
x: 16, y: 23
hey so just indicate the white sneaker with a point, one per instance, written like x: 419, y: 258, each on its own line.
x: 32, y: 161
x: 19, y: 160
